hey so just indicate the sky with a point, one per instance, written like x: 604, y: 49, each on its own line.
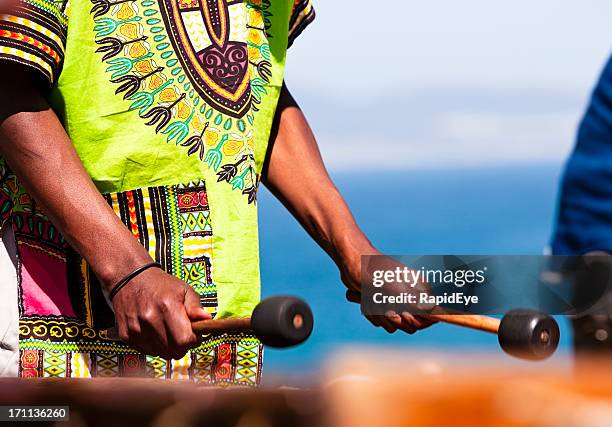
x: 426, y: 84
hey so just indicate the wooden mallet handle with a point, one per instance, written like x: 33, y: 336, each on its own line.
x: 474, y: 321
x: 210, y: 326
x: 230, y: 324
x: 243, y: 324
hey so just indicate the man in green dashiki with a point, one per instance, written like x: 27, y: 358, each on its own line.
x: 138, y: 131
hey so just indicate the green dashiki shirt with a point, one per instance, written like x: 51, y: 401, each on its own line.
x: 169, y: 104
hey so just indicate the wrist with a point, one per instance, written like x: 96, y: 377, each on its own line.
x: 128, y: 278
x: 111, y: 271
x: 350, y: 245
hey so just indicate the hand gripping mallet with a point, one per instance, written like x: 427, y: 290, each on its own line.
x: 279, y: 321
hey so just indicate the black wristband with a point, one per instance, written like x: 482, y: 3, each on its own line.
x: 121, y: 283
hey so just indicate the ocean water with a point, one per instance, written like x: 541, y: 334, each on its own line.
x: 496, y: 211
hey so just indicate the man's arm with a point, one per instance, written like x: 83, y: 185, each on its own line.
x: 294, y: 159
x: 154, y: 311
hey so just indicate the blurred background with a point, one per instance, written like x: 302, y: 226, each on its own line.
x: 446, y: 126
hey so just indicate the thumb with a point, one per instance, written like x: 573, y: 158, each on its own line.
x: 194, y: 308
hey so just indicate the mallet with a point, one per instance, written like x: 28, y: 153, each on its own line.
x: 279, y: 321
x: 526, y: 334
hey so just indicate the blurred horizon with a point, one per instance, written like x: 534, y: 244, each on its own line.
x: 421, y: 85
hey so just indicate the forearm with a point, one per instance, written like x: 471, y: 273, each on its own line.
x: 40, y: 153
x: 297, y: 176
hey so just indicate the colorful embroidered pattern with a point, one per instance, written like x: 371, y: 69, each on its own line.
x: 195, y: 70
x: 60, y: 325
x: 187, y: 68
x: 173, y: 224
x: 35, y: 34
x: 199, y: 73
x: 209, y: 37
x: 302, y: 15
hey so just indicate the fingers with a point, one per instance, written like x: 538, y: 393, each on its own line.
x: 130, y: 331
x: 382, y: 322
x: 378, y: 321
x: 178, y: 316
x: 353, y: 296
x: 194, y: 308
x: 165, y: 332
x: 122, y: 328
x: 408, y: 322
x: 143, y: 336
x: 388, y: 325
x: 391, y: 321
x: 159, y: 323
x: 404, y: 322
x: 181, y: 337
x: 153, y: 336
x: 195, y: 312
x: 425, y: 321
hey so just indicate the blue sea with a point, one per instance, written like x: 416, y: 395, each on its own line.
x: 508, y: 210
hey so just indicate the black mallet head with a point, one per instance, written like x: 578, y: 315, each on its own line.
x: 528, y: 334
x: 282, y: 321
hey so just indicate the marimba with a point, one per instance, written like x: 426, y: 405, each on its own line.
x: 359, y: 389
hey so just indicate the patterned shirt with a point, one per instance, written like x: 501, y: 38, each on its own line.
x: 169, y: 104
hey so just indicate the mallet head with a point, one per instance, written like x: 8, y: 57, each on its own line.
x: 528, y: 334
x: 282, y: 321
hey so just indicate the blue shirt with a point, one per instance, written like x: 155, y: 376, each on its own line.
x: 585, y: 207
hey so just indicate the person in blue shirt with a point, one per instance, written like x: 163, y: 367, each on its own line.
x: 584, y: 222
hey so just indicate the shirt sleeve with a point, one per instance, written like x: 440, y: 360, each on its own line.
x: 301, y: 16
x: 21, y: 90
x: 33, y: 33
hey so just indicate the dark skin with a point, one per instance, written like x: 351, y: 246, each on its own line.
x: 293, y: 159
x: 154, y: 312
